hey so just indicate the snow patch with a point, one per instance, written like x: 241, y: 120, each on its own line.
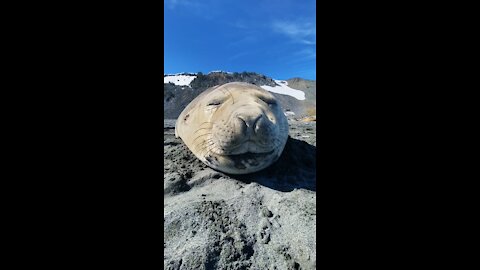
x: 184, y: 80
x: 285, y: 90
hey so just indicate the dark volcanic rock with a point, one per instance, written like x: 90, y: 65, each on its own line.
x: 176, y: 98
x: 203, y: 82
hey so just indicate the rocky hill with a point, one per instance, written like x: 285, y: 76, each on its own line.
x: 310, y: 89
x: 182, y: 88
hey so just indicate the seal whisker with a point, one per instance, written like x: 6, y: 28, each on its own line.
x: 207, y: 133
x: 208, y: 150
x: 206, y: 122
x: 204, y: 145
x: 201, y: 129
x: 202, y: 124
x: 203, y: 150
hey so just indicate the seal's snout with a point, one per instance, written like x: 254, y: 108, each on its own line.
x: 249, y: 123
x: 250, y: 120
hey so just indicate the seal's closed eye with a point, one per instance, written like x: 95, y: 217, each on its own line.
x: 215, y: 102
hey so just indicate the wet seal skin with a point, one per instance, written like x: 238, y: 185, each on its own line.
x: 236, y: 128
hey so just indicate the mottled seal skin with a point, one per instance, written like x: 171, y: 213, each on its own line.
x: 236, y: 128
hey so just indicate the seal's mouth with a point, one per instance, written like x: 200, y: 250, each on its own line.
x: 249, y: 155
x: 249, y: 159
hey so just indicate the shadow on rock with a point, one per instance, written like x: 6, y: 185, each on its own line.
x: 296, y: 168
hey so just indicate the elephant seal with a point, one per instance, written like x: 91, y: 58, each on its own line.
x: 235, y: 128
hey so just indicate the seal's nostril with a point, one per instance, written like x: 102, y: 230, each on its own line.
x: 241, y: 125
x: 242, y: 120
x: 256, y: 120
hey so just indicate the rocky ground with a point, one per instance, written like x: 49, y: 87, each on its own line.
x: 265, y: 220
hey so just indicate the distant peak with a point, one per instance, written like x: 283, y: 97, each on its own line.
x: 220, y: 71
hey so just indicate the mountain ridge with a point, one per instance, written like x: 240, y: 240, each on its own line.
x: 180, y: 89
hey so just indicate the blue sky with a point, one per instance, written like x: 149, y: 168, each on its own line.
x: 272, y: 37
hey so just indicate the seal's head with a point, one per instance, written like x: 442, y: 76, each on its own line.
x: 235, y: 128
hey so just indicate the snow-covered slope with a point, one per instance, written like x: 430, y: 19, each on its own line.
x: 285, y: 90
x: 179, y: 79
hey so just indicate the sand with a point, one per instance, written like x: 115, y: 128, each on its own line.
x: 265, y: 220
